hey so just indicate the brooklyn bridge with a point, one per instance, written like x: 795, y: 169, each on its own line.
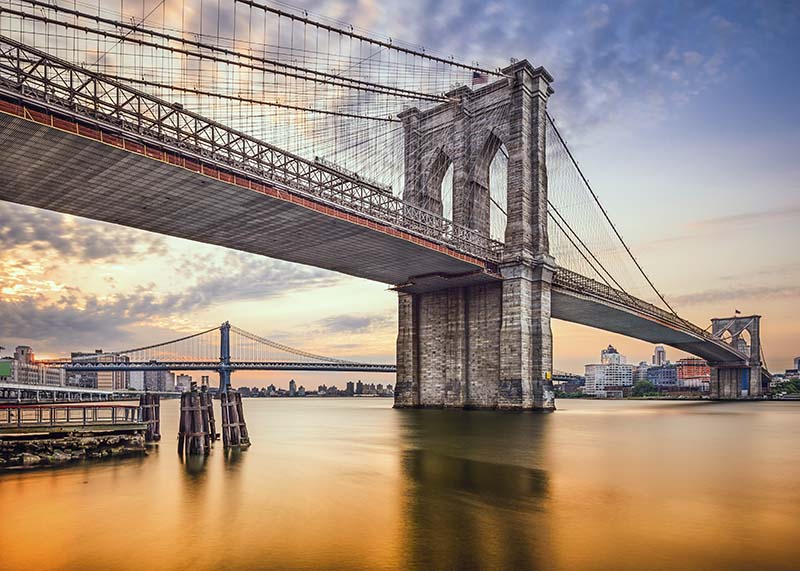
x: 304, y: 141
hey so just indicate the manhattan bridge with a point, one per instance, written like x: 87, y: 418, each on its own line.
x: 257, y: 127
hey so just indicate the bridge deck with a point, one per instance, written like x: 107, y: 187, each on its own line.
x: 141, y: 186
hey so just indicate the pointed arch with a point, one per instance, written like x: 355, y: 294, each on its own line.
x: 439, y: 183
x: 492, y: 173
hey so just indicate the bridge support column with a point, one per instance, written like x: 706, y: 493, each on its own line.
x: 735, y: 382
x: 526, y: 338
x: 225, y: 357
x: 484, y: 346
x: 738, y: 380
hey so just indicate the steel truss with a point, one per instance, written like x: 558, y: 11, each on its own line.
x: 36, y: 77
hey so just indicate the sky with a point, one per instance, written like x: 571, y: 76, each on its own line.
x: 684, y: 116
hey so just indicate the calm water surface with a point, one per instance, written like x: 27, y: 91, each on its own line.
x: 353, y: 484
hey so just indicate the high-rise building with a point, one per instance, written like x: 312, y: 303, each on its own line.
x: 610, y: 356
x: 660, y: 356
x: 359, y: 388
x: 611, y: 374
x: 292, y: 388
x: 797, y: 363
x: 351, y: 388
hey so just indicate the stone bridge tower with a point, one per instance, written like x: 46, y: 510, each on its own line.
x: 483, y: 345
x: 737, y: 380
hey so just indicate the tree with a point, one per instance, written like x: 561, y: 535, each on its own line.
x: 643, y: 389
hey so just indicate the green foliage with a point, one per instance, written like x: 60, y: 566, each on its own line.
x: 643, y: 389
x: 788, y: 386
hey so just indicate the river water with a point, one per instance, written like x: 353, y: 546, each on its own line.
x: 354, y: 484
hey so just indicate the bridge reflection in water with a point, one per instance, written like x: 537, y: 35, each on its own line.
x: 467, y: 514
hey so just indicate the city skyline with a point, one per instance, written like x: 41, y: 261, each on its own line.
x: 72, y: 284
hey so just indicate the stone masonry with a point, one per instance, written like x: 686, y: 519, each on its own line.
x: 738, y: 381
x: 488, y: 345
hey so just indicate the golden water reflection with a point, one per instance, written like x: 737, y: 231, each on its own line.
x: 353, y: 484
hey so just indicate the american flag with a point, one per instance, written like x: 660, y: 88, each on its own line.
x: 479, y: 78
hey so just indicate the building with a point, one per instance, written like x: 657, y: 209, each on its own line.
x: 183, y: 382
x: 351, y: 388
x: 797, y: 363
x: 640, y: 372
x: 22, y: 368
x: 663, y: 375
x: 660, y: 356
x: 694, y: 373
x: 136, y: 380
x: 107, y: 380
x: 205, y: 381
x: 159, y: 381
x: 292, y: 388
x: 610, y: 376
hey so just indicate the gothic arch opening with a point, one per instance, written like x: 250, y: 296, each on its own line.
x: 440, y: 185
x: 498, y: 194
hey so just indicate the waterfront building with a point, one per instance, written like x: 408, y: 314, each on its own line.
x: 22, y: 368
x: 797, y: 363
x: 292, y: 388
x: 351, y: 388
x: 107, y: 380
x: 640, y: 372
x: 663, y: 375
x: 660, y: 356
x: 610, y: 376
x: 359, y: 388
x: 694, y: 373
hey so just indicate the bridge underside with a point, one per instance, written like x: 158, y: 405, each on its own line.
x: 572, y: 307
x: 138, y: 187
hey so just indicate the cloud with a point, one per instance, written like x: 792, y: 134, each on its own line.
x: 354, y: 324
x: 66, y: 236
x: 737, y: 293
x: 747, y: 218
x: 75, y: 317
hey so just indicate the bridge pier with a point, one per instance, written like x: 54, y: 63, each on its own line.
x: 483, y: 346
x: 730, y: 381
x: 489, y: 344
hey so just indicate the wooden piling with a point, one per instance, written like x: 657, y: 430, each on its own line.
x: 150, y: 410
x: 243, y: 434
x: 193, y: 434
x: 208, y: 402
x: 234, y: 428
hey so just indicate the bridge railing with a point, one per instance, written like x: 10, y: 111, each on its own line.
x: 65, y: 88
x: 67, y: 415
x: 578, y: 283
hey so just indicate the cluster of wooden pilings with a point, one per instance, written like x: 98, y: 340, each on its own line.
x: 234, y: 428
x: 150, y: 407
x: 197, y: 427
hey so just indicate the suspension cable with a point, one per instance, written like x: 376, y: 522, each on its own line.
x: 605, y: 214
